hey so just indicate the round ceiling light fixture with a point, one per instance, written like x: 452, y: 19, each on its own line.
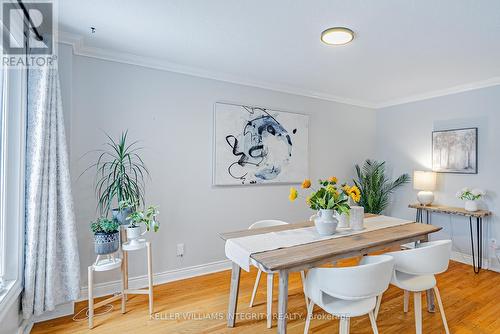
x: 337, y: 36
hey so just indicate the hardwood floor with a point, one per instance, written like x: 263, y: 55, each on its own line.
x: 470, y: 301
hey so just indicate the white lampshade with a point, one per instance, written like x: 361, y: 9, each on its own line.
x: 424, y: 180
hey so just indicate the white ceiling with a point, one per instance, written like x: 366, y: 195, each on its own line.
x: 404, y: 49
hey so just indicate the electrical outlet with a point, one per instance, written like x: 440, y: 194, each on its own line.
x: 493, y: 244
x: 180, y: 249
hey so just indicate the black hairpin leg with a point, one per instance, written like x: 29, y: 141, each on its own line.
x: 419, y: 218
x: 479, y: 232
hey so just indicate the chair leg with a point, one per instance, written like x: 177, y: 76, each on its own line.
x: 310, y: 308
x: 256, y: 285
x: 303, y: 278
x: 377, y: 308
x: 417, y: 298
x: 373, y: 321
x: 441, y: 309
x: 344, y: 325
x: 269, y: 303
x: 406, y: 300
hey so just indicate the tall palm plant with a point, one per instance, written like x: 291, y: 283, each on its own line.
x: 375, y: 187
x: 120, y: 174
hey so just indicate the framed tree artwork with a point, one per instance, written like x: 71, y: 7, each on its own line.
x: 455, y: 151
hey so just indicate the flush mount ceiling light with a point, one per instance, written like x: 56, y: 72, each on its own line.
x: 337, y: 36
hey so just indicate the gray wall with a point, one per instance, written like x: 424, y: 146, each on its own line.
x: 404, y: 141
x: 171, y: 114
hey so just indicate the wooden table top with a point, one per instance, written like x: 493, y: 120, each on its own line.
x: 319, y: 252
x: 451, y: 210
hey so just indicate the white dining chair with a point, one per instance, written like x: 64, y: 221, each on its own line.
x: 348, y: 292
x: 414, y: 271
x: 270, y: 274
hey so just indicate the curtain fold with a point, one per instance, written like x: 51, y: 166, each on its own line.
x: 51, y: 262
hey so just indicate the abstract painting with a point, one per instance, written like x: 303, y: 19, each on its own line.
x: 455, y: 151
x: 255, y: 145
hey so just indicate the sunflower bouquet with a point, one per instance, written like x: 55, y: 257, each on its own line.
x: 329, y: 196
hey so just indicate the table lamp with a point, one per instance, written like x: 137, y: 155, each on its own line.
x: 425, y: 181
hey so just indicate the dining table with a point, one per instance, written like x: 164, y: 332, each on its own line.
x: 306, y: 256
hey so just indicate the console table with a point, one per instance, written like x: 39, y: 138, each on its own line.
x: 479, y: 215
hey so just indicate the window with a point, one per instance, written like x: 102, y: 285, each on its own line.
x: 12, y: 148
x: 13, y: 102
x: 2, y: 183
x: 2, y: 159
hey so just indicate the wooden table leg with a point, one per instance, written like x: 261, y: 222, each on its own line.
x: 233, y: 295
x: 282, y: 301
x: 429, y: 294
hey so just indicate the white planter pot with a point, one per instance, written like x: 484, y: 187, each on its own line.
x: 133, y: 236
x: 325, y: 222
x: 471, y: 206
x: 343, y: 220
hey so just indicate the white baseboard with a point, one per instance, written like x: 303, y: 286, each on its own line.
x: 467, y: 259
x: 109, y: 288
x: 60, y: 311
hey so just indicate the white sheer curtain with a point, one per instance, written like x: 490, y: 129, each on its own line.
x: 51, y: 267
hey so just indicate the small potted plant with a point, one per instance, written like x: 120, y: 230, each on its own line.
x: 470, y: 197
x: 121, y: 214
x: 106, y: 236
x: 148, y: 217
x: 329, y: 200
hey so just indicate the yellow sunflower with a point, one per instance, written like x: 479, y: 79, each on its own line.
x: 306, y: 184
x: 293, y: 194
x: 355, y: 194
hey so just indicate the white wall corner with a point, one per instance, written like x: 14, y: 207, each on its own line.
x: 494, y: 81
x: 76, y: 41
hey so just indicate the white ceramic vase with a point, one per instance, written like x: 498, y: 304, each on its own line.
x: 357, y: 215
x: 471, y: 206
x: 325, y: 222
x: 343, y: 219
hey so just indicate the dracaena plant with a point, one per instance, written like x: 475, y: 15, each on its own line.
x: 120, y: 174
x: 375, y: 187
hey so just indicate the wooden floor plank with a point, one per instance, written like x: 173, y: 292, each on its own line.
x: 470, y: 302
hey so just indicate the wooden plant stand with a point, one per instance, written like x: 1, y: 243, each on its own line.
x: 124, y: 291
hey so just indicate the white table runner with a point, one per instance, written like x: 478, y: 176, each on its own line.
x: 239, y: 250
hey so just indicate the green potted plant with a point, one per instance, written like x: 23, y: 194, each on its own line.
x: 375, y: 187
x: 120, y: 178
x: 148, y: 217
x: 471, y: 197
x: 106, y: 235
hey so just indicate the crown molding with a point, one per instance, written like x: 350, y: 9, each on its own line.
x: 495, y: 81
x: 80, y: 49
